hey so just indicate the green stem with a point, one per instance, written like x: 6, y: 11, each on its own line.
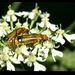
x: 22, y: 67
x: 43, y: 28
x: 11, y: 22
x: 32, y: 23
x: 2, y: 44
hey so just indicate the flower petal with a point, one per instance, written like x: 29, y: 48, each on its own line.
x: 56, y: 53
x: 60, y: 39
x: 41, y: 24
x: 10, y: 66
x: 31, y: 15
x: 51, y: 26
x: 34, y: 51
x: 69, y: 37
x: 14, y: 59
x: 20, y: 57
x: 39, y: 67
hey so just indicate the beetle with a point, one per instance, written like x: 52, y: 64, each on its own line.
x: 28, y: 39
x: 14, y: 38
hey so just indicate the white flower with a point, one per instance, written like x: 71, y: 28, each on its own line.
x: 6, y: 62
x: 56, y: 53
x: 2, y: 31
x: 2, y: 64
x: 60, y: 34
x: 59, y: 38
x: 14, y: 59
x: 48, y: 25
x: 39, y: 67
x: 44, y: 15
x: 18, y: 13
x: 24, y: 51
x: 14, y: 18
x: 69, y: 37
x: 25, y: 24
x: 32, y: 60
x: 5, y: 49
x: 10, y: 66
x: 48, y: 44
x: 34, y: 30
x: 23, y: 13
x: 44, y: 53
x: 31, y: 15
x: 46, y: 32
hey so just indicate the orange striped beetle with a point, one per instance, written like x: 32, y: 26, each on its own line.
x: 23, y: 39
x: 28, y: 39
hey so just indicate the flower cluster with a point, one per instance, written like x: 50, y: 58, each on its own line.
x: 31, y: 54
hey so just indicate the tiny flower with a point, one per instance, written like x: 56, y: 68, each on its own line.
x: 48, y: 44
x: 59, y: 38
x: 5, y: 50
x: 60, y: 34
x: 10, y: 66
x: 14, y: 59
x: 14, y: 18
x: 2, y: 31
x: 4, y: 57
x: 19, y: 53
x: 32, y: 60
x: 34, y: 13
x: 5, y: 61
x: 34, y: 30
x: 18, y: 13
x: 44, y: 53
x: 69, y: 37
x: 18, y: 24
x: 46, y: 32
x: 25, y: 24
x: 10, y: 15
x: 7, y: 29
x: 45, y: 23
x: 39, y: 67
x: 38, y: 46
x: 56, y: 53
x: 10, y: 11
x: 5, y: 24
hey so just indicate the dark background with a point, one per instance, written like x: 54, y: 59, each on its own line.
x: 60, y: 12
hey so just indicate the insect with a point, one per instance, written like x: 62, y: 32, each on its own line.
x: 23, y: 39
